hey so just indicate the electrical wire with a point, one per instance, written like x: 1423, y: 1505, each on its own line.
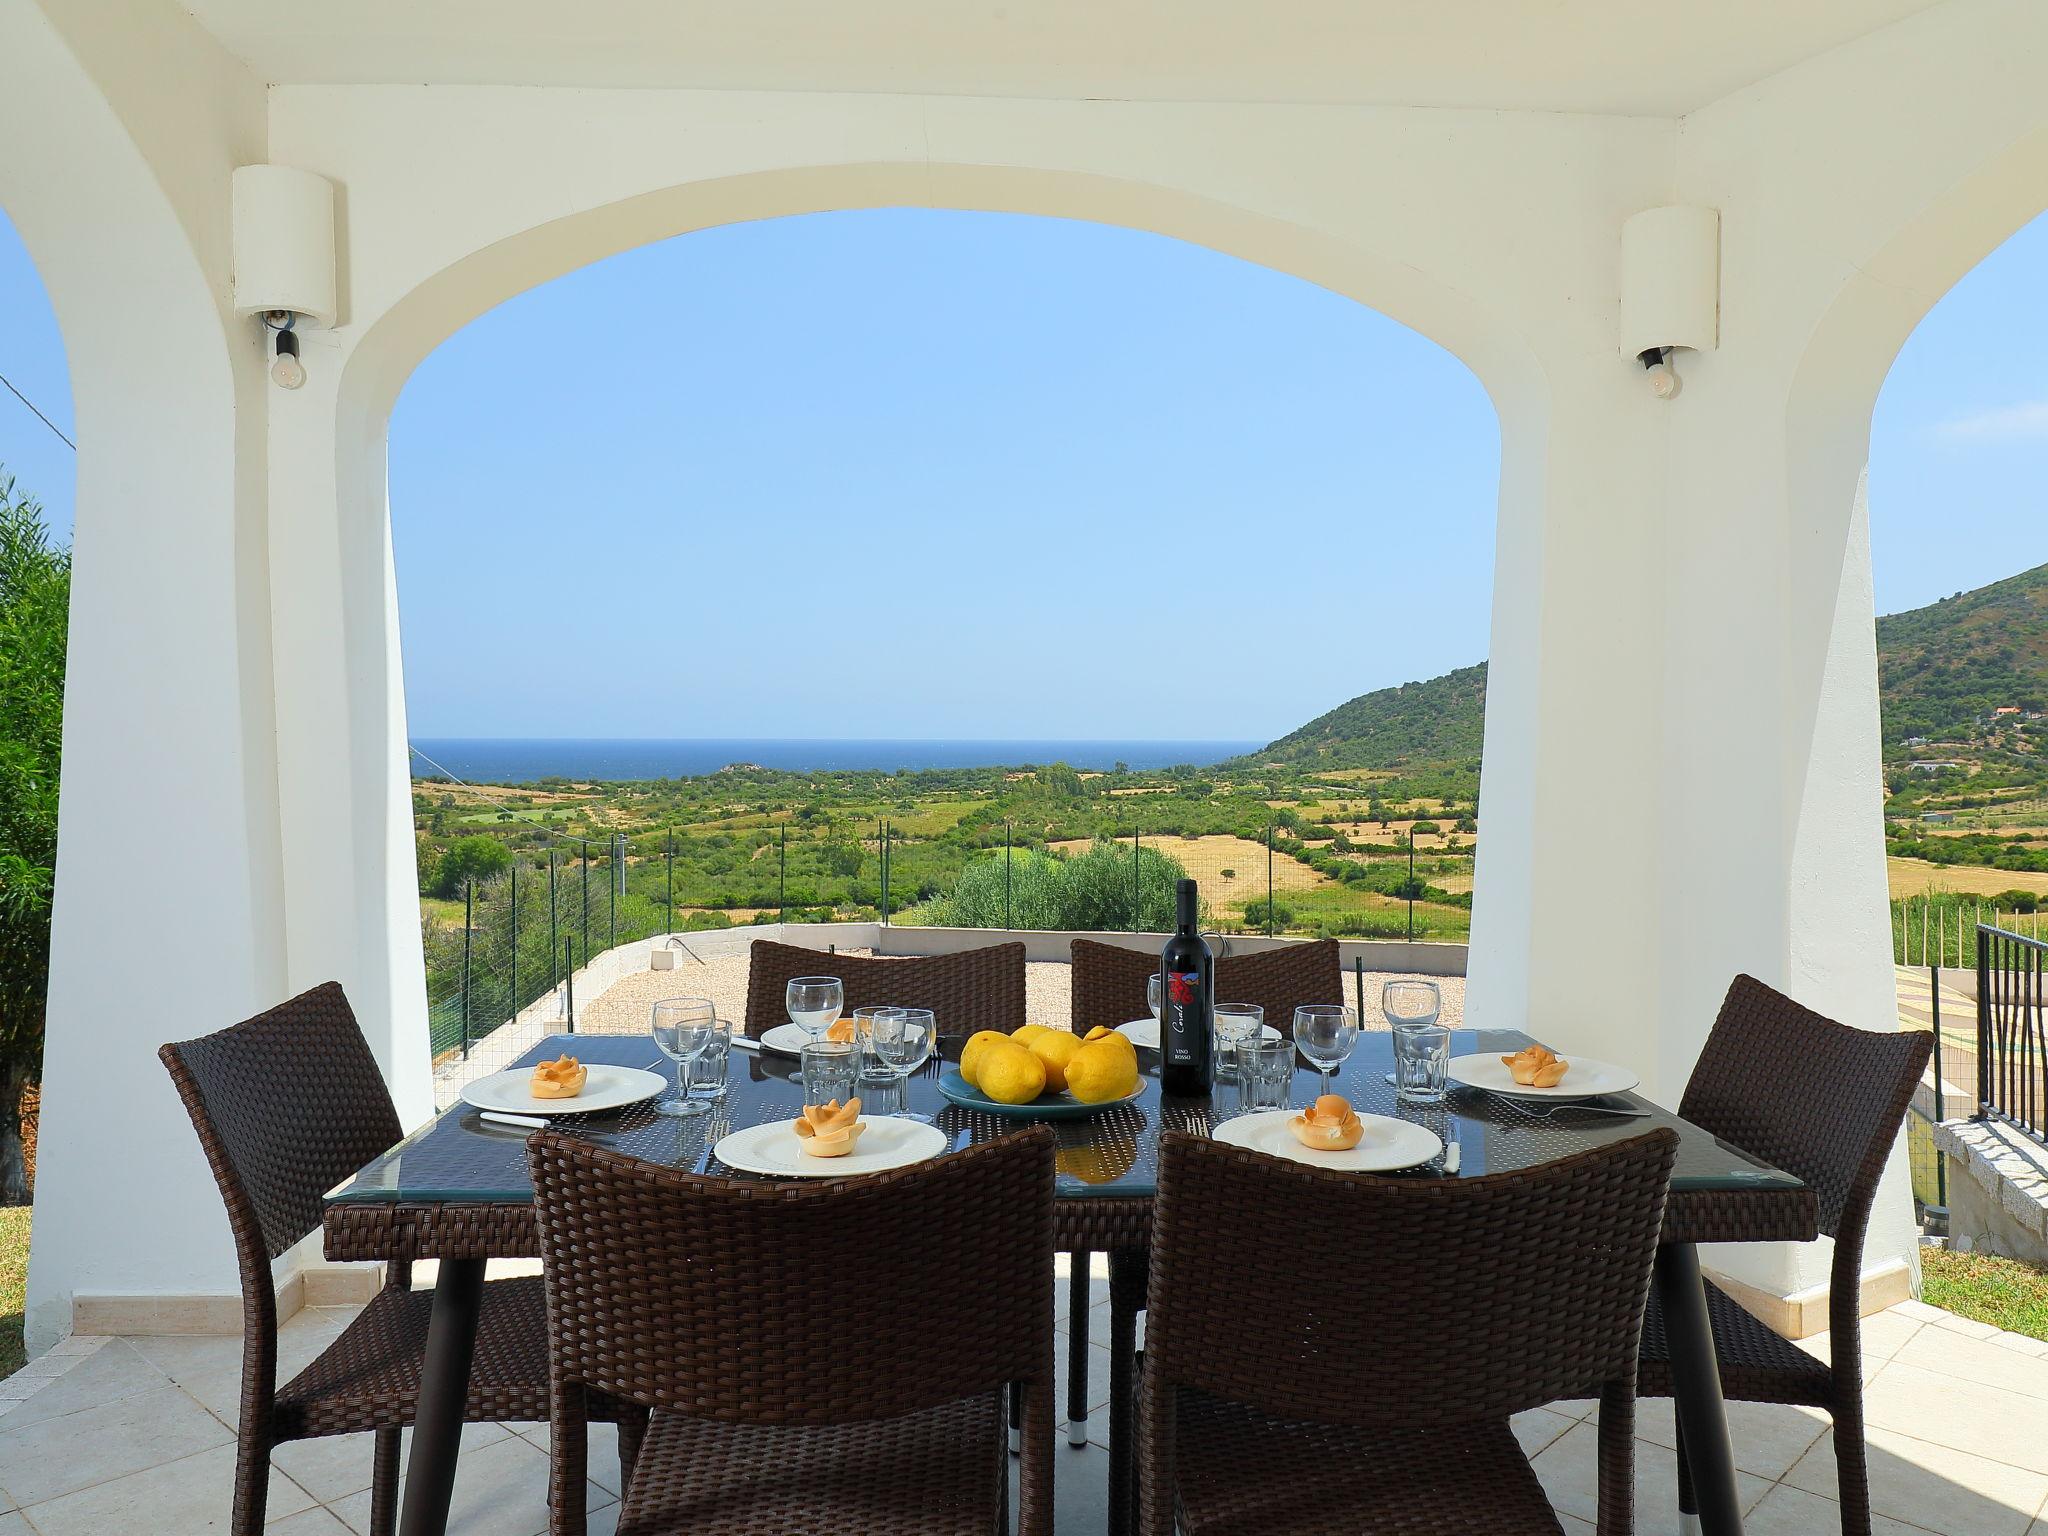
x: 39, y: 416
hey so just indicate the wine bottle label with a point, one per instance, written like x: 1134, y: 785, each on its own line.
x: 1185, y: 1018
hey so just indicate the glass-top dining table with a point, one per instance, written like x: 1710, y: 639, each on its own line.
x: 457, y: 1191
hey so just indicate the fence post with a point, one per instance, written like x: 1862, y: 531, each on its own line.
x: 1411, y: 882
x: 1940, y: 1102
x: 611, y: 892
x: 569, y: 976
x: 552, y: 935
x: 1137, y: 906
x: 782, y: 875
x: 1983, y: 1026
x: 468, y: 927
x: 513, y: 1011
x: 885, y: 873
x: 1269, y: 879
x: 671, y: 880
x: 584, y: 844
x: 1009, y: 911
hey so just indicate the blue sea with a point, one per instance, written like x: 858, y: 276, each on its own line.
x: 484, y: 760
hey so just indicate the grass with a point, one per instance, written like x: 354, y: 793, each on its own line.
x: 13, y: 1285
x: 2002, y: 1292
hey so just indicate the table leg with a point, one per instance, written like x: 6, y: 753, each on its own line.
x: 1702, y: 1416
x: 1077, y: 1348
x: 444, y: 1389
x: 1126, y: 1272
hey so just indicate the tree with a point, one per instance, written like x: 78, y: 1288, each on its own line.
x: 471, y: 858
x: 35, y: 605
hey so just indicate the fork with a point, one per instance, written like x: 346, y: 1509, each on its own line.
x: 1545, y: 1112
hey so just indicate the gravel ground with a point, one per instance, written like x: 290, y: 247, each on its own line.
x: 723, y: 978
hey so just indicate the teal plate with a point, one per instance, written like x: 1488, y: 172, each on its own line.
x: 1051, y: 1106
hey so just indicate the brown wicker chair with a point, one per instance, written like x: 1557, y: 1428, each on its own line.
x: 1109, y: 981
x: 817, y: 1355
x: 1824, y: 1101
x: 1336, y: 1353
x: 287, y: 1105
x: 973, y: 989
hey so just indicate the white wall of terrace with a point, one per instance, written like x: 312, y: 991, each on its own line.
x: 1681, y: 732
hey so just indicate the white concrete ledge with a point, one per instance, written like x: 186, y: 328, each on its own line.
x: 1997, y: 1189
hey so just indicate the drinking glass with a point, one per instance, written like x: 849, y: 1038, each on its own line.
x: 871, y: 1067
x: 683, y: 1027
x: 1235, y: 1024
x: 707, y: 1072
x: 1265, y: 1074
x: 1152, y: 995
x: 902, y: 1042
x: 1326, y: 1034
x: 814, y: 1003
x: 1422, y: 1055
x: 1411, y: 1002
x: 831, y: 1072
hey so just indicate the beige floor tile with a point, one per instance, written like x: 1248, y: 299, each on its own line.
x: 1769, y: 1438
x: 500, y: 1490
x: 1574, y: 1526
x: 1984, y: 1360
x: 335, y: 1466
x: 117, y: 1371
x: 317, y: 1521
x: 1965, y: 1415
x: 1569, y: 1470
x: 602, y: 1463
x: 1789, y: 1511
x: 182, y: 1498
x: 1967, y: 1326
x: 1933, y: 1486
x: 1539, y: 1427
x: 95, y: 1445
x: 12, y: 1524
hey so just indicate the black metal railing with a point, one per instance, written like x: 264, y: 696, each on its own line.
x: 2011, y: 1047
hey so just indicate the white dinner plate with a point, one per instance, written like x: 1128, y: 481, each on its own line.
x: 1145, y: 1032
x: 1585, y: 1078
x: 786, y: 1040
x: 1388, y: 1144
x: 511, y: 1092
x: 773, y: 1149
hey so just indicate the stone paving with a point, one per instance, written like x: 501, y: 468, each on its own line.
x: 138, y: 1434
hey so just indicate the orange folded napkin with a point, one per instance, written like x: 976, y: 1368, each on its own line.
x: 562, y: 1078
x: 842, y: 1030
x: 1329, y: 1124
x: 1535, y: 1066
x: 829, y: 1130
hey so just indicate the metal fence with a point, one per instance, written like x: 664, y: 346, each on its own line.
x: 2011, y: 1047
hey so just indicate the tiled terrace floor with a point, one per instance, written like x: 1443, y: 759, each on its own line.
x: 137, y: 1435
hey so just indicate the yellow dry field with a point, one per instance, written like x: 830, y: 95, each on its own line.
x: 1206, y: 858
x: 1917, y: 877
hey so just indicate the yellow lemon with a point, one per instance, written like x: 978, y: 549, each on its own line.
x: 1110, y: 1037
x: 970, y: 1056
x: 1010, y: 1074
x: 1028, y: 1033
x: 1102, y: 1070
x: 1055, y: 1047
x: 1098, y: 1164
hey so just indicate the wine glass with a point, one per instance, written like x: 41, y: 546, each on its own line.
x: 1411, y: 1003
x: 902, y: 1041
x: 683, y: 1027
x: 1325, y: 1033
x: 1152, y: 998
x: 814, y: 1003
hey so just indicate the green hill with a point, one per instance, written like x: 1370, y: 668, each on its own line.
x: 1437, y: 721
x: 1944, y: 668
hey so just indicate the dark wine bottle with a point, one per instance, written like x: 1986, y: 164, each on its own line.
x: 1187, y: 1005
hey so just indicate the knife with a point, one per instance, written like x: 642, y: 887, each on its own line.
x: 525, y: 1122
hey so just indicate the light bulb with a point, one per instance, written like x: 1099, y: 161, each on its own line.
x: 1663, y: 381
x: 286, y: 369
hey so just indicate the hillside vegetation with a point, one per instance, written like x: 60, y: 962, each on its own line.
x: 1438, y: 721
x: 1944, y: 668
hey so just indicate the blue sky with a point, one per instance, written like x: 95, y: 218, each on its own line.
x: 908, y: 473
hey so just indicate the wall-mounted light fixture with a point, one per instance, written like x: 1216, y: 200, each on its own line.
x: 1670, y: 289
x: 284, y: 258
